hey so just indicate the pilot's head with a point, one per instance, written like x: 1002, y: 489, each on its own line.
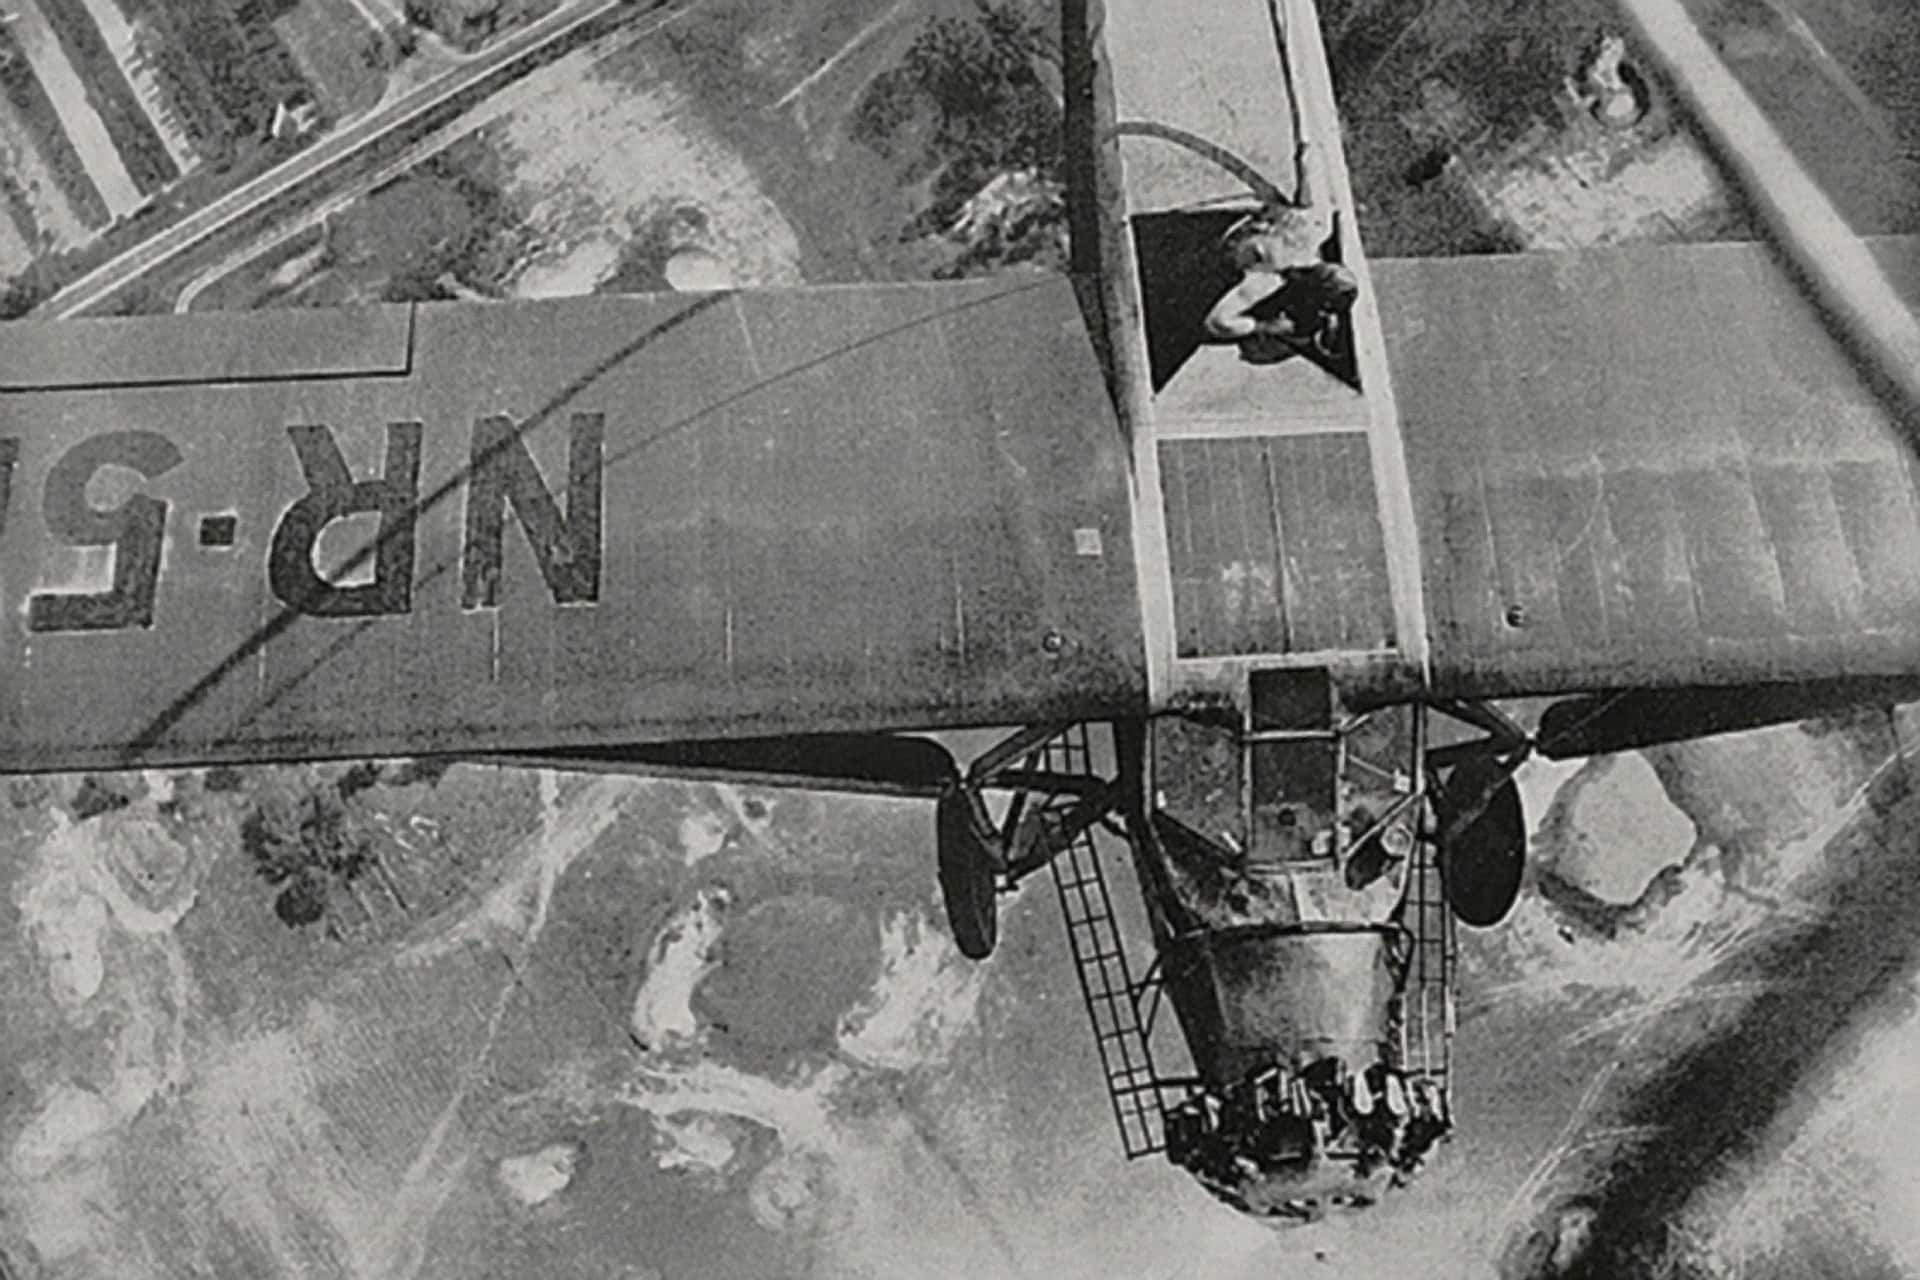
x: 1277, y: 237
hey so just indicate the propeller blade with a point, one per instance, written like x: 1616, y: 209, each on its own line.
x: 1601, y: 724
x: 1483, y: 841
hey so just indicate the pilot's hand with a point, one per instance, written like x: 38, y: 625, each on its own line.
x: 1231, y: 319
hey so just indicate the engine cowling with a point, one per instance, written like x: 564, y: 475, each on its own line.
x: 1300, y: 1109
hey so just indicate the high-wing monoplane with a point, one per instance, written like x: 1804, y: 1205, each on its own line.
x: 1249, y: 604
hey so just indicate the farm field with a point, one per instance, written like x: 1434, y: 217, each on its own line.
x: 111, y: 106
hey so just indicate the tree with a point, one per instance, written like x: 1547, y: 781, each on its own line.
x: 966, y: 105
x: 27, y: 290
x: 19, y: 296
x: 307, y: 844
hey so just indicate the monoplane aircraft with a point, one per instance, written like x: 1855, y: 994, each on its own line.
x: 1248, y: 603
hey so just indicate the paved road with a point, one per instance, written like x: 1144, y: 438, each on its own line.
x: 100, y: 284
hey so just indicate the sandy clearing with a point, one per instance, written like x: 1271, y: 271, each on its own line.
x: 124, y: 44
x: 861, y: 1184
x: 60, y: 223
x: 695, y: 1140
x: 701, y: 836
x: 82, y: 122
x: 1555, y: 206
x: 925, y: 999
x: 682, y: 954
x: 1620, y: 829
x: 539, y: 1176
x: 571, y: 273
x: 697, y: 271
x: 596, y: 163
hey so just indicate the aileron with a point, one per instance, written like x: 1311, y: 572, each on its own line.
x: 1610, y: 497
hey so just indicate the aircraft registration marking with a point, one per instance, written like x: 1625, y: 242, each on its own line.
x: 128, y: 540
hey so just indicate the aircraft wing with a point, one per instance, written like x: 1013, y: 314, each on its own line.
x: 1648, y: 467
x: 549, y: 524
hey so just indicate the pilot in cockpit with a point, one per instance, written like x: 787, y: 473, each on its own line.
x: 1288, y: 291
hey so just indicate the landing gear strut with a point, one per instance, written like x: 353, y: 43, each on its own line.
x: 979, y: 855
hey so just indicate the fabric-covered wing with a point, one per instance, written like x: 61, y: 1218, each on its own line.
x: 1648, y: 467
x: 573, y: 523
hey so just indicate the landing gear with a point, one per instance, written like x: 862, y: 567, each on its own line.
x: 980, y: 855
x: 969, y: 875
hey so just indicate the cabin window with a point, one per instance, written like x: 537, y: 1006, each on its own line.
x: 1292, y: 767
x: 1196, y: 777
x: 1295, y: 780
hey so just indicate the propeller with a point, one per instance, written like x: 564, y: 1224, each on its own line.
x: 1482, y: 826
x: 1483, y: 839
x: 1628, y: 721
x: 1483, y: 833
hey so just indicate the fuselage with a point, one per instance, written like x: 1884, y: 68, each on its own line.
x: 1273, y: 520
x: 1281, y: 836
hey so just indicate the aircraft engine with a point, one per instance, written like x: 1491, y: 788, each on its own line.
x: 1301, y: 1107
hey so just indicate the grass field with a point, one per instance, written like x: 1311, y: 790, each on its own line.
x: 266, y: 279
x: 341, y: 56
x: 444, y: 230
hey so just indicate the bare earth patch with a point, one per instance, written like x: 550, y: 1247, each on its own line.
x: 1618, y: 829
x: 1557, y: 206
x: 598, y: 165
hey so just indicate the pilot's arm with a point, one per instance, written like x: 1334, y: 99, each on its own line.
x: 1232, y: 317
